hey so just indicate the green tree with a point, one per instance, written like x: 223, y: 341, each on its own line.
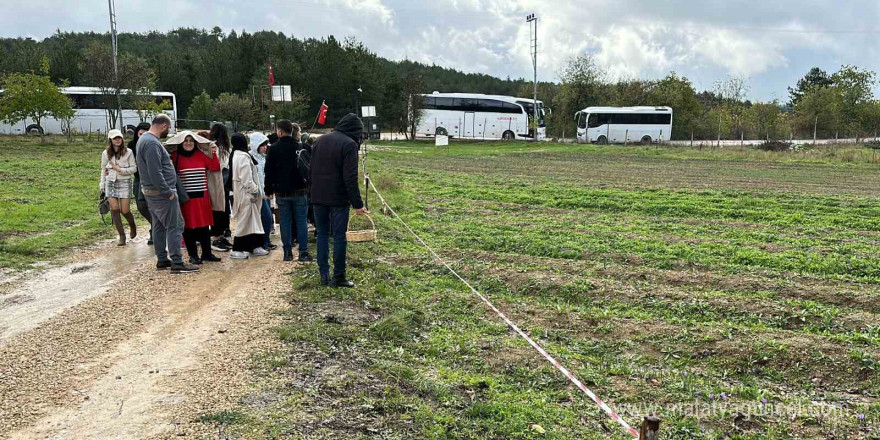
x: 762, y: 119
x: 816, y: 77
x: 34, y: 97
x: 582, y: 85
x: 855, y: 86
x: 201, y: 111
x: 134, y: 77
x: 819, y: 110
x: 677, y: 92
x: 234, y: 109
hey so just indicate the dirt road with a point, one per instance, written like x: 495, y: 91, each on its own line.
x: 117, y: 350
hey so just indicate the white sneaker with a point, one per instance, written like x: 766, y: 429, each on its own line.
x: 260, y: 252
x: 238, y: 255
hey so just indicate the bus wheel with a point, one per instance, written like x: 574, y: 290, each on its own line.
x: 33, y: 129
x: 440, y: 131
x: 602, y: 140
x: 646, y: 140
x: 508, y: 136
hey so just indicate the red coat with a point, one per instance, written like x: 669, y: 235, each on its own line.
x: 193, y: 173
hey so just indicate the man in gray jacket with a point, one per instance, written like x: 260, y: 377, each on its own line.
x: 159, y: 185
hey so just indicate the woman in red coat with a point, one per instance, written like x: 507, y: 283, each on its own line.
x: 193, y: 158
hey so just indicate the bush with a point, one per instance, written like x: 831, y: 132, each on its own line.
x: 774, y: 146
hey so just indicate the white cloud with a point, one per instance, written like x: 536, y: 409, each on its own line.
x: 774, y: 42
x: 737, y: 53
x: 631, y: 52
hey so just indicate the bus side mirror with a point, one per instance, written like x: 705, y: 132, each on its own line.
x: 576, y: 116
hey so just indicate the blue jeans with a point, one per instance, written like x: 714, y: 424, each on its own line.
x: 335, y: 219
x: 268, y: 220
x: 294, y: 211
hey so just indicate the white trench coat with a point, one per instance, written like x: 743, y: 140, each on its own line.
x: 247, y: 195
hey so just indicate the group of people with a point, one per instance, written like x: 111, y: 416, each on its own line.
x: 190, y: 187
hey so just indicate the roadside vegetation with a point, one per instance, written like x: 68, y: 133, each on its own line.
x: 659, y: 276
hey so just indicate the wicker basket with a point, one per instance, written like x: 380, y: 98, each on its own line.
x: 364, y: 235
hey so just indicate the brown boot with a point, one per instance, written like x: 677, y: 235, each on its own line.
x: 131, y: 225
x: 117, y: 221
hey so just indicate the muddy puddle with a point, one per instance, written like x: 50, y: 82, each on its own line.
x: 45, y: 294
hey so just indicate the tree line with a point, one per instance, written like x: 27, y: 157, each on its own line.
x: 220, y: 76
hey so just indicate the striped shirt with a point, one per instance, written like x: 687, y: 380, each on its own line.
x: 194, y: 179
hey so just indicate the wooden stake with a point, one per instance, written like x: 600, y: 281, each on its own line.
x: 650, y: 428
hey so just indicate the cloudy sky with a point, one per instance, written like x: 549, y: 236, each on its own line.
x: 771, y: 42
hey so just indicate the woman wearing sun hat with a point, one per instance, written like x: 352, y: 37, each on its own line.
x: 194, y: 157
x: 117, y: 167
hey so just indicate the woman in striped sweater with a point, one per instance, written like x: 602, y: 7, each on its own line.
x: 194, y: 157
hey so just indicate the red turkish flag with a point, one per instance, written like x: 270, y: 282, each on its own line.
x: 271, y: 76
x: 322, y: 114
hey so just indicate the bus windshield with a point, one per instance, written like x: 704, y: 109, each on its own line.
x: 529, y: 108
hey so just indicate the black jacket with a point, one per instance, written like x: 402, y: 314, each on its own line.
x: 334, y: 167
x: 282, y: 174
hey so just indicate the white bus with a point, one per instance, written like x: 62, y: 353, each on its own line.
x: 91, y: 114
x: 479, y: 116
x: 605, y: 125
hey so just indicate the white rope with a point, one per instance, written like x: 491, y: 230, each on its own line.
x: 614, y: 416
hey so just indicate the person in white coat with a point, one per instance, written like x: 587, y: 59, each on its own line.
x: 259, y: 148
x: 247, y: 196
x: 117, y: 168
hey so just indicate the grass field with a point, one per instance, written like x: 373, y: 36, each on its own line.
x: 48, y: 198
x: 730, y: 279
x: 734, y: 279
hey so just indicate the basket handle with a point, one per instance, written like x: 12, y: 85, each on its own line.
x: 368, y: 218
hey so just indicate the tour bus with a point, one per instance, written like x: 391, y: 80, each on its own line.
x: 91, y: 114
x: 479, y: 116
x: 605, y: 125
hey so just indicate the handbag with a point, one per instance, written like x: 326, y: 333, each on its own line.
x: 103, y: 206
x: 182, y: 196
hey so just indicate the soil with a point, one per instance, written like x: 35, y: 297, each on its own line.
x: 113, y: 348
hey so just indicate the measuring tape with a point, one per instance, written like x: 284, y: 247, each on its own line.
x: 614, y: 416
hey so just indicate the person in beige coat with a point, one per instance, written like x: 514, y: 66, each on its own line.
x: 117, y: 168
x: 247, y: 196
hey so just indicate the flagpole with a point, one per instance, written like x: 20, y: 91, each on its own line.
x: 320, y: 109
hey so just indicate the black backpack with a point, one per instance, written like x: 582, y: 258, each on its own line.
x: 303, y: 164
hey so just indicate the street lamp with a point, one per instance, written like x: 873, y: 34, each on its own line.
x: 534, y: 49
x: 358, y: 101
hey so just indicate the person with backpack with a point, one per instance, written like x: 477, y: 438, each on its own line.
x: 287, y: 171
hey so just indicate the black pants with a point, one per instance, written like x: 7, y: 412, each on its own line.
x: 197, y: 235
x: 221, y: 223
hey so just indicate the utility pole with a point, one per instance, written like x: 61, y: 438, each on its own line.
x: 114, y: 46
x: 533, y: 38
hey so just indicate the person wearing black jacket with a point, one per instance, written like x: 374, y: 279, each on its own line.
x: 290, y: 188
x: 334, y: 180
x: 139, y: 198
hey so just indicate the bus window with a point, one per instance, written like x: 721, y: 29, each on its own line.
x: 443, y: 103
x: 594, y: 121
x: 512, y: 108
x: 582, y: 120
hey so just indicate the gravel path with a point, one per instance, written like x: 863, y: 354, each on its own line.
x: 145, y: 358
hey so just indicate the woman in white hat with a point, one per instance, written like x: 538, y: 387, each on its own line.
x: 117, y: 167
